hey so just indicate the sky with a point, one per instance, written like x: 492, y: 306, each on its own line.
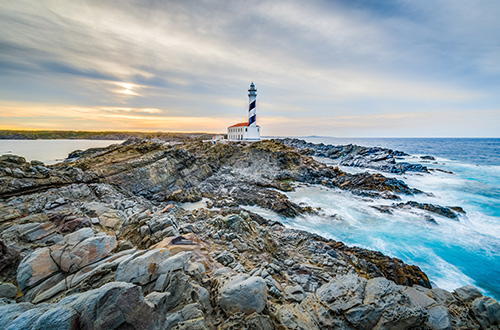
x: 341, y: 68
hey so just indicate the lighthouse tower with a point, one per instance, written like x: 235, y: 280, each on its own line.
x: 248, y: 131
x: 252, y: 95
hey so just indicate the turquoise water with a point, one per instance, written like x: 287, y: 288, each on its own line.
x: 453, y: 253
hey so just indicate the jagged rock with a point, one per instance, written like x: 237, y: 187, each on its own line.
x: 92, y: 249
x: 288, y: 279
x: 8, y: 213
x: 243, y: 294
x: 352, y: 155
x: 8, y: 290
x: 61, y: 317
x: 443, y: 211
x: 439, y: 318
x: 35, y: 268
x: 115, y: 305
x: 226, y: 258
x: 10, y: 312
x: 143, y: 267
x: 374, y: 303
x: 295, y: 293
x: 467, y: 293
x: 9, y: 260
x: 25, y: 320
x: 69, y: 223
x: 487, y: 311
x: 361, y: 182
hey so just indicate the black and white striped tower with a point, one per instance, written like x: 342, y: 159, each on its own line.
x: 252, y: 116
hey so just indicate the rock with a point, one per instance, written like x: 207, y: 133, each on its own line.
x: 90, y: 250
x: 57, y: 318
x: 487, y: 311
x: 377, y: 303
x: 359, y: 183
x: 10, y: 312
x: 13, y: 159
x: 343, y: 292
x: 419, y: 297
x: 69, y: 223
x: 35, y: 268
x: 243, y: 294
x: 115, y: 305
x: 37, y: 231
x: 143, y: 267
x: 443, y: 211
x: 110, y: 219
x: 9, y: 261
x: 225, y: 258
x: 238, y: 224
x: 25, y: 320
x: 439, y: 318
x: 8, y: 290
x: 78, y: 236
x: 295, y: 293
x: 467, y: 293
x: 8, y: 213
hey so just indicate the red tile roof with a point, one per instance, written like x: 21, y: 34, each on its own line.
x: 245, y: 124
x: 240, y: 124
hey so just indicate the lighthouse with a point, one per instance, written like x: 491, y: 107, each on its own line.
x: 247, y: 131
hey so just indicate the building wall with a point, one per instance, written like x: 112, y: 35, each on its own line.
x: 243, y: 133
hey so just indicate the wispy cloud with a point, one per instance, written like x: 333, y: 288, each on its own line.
x: 310, y: 60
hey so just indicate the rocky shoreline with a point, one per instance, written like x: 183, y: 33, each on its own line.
x: 103, y: 242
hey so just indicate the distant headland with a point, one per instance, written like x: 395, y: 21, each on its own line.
x: 97, y: 135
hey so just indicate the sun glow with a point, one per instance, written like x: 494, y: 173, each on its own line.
x: 128, y: 89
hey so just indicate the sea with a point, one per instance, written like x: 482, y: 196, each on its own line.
x: 453, y: 253
x: 49, y: 151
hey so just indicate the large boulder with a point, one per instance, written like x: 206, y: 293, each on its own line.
x: 243, y: 294
x: 8, y: 290
x: 376, y: 303
x: 92, y: 249
x: 115, y: 305
x: 143, y: 267
x: 60, y: 317
x: 35, y: 268
x: 486, y: 310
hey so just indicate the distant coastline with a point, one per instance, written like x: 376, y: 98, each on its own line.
x: 92, y: 135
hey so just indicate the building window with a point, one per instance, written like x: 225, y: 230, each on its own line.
x: 246, y: 129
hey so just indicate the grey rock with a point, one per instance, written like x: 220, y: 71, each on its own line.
x: 467, y: 293
x: 90, y: 250
x: 487, y: 311
x: 35, y: 268
x: 243, y: 293
x: 226, y: 258
x: 160, y: 300
x: 78, y: 236
x: 26, y: 320
x: 142, y: 267
x: 419, y: 297
x: 8, y: 290
x: 343, y: 292
x: 10, y: 312
x: 295, y: 293
x: 115, y: 305
x: 60, y: 317
x: 439, y: 318
x: 442, y: 296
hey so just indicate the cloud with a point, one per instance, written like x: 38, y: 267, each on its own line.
x: 310, y: 60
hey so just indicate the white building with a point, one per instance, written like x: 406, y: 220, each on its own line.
x: 248, y: 130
